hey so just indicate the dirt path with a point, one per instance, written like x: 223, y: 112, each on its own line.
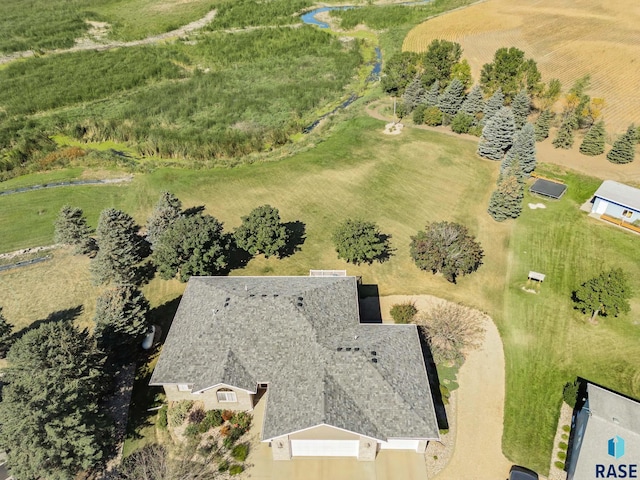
x: 479, y: 416
x: 571, y: 159
x: 92, y: 45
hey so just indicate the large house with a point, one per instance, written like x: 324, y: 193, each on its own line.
x: 605, y: 437
x: 334, y: 386
x: 617, y: 200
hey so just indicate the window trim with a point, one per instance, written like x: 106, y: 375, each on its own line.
x: 229, y: 395
x: 627, y: 213
x: 183, y: 387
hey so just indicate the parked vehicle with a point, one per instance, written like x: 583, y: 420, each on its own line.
x: 521, y: 473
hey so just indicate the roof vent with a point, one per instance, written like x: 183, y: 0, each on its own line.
x: 275, y: 295
x: 374, y: 353
x: 339, y: 349
x: 226, y: 304
x: 227, y: 299
x: 299, y: 304
x: 264, y: 295
x: 615, y: 420
x: 356, y: 349
x: 251, y: 295
x: 300, y: 299
x: 374, y: 360
x: 348, y: 349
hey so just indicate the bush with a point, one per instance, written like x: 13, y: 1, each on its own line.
x: 570, y: 393
x: 197, y: 416
x: 227, y: 415
x: 236, y: 469
x: 403, y: 312
x: 445, y: 394
x: 462, y: 122
x: 178, y: 412
x: 162, y: 418
x: 224, y: 466
x: 566, y: 428
x: 562, y: 455
x: 240, y: 452
x: 228, y: 443
x: 418, y: 114
x: 559, y: 465
x: 192, y: 431
x: 225, y: 430
x: 432, y: 116
x: 476, y: 131
x: 563, y: 446
x: 213, y: 418
x: 241, y: 420
x: 564, y: 436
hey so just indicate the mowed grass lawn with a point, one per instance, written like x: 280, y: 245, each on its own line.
x: 546, y: 342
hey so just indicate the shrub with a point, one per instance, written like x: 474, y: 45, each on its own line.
x: 228, y: 443
x: 225, y: 430
x: 559, y: 465
x: 562, y: 455
x: 563, y: 446
x: 213, y: 418
x: 462, y: 122
x: 227, y: 415
x: 241, y: 420
x: 178, y: 412
x: 192, y: 431
x: 197, y: 416
x: 445, y: 394
x: 432, y: 116
x: 418, y: 114
x: 476, y: 131
x: 224, y: 466
x: 236, y: 469
x: 403, y: 312
x: 162, y: 418
x: 566, y: 428
x: 570, y: 393
x: 240, y: 452
x: 564, y: 436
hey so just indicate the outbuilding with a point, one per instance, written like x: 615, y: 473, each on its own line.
x: 617, y: 200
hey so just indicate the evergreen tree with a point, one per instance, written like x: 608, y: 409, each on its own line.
x: 71, y: 229
x: 262, y: 232
x: 452, y: 97
x: 448, y: 248
x: 521, y: 107
x: 415, y: 94
x: 52, y: 425
x: 493, y: 106
x: 121, y: 320
x: 357, y: 242
x: 506, y: 200
x: 431, y: 99
x: 524, y: 146
x: 564, y: 138
x: 606, y: 294
x: 165, y: 212
x: 624, y: 148
x: 497, y: 135
x: 6, y: 335
x: 474, y: 103
x: 542, y: 125
x: 593, y: 142
x: 121, y: 249
x: 193, y: 245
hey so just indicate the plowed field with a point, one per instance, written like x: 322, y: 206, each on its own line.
x: 567, y: 38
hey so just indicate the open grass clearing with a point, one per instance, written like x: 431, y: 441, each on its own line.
x: 567, y: 39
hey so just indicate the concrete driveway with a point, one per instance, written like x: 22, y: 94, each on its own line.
x: 389, y: 464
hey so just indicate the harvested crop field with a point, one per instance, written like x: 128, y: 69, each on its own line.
x: 567, y: 38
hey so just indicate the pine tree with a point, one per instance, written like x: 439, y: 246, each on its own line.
x: 452, y: 97
x: 524, y: 146
x: 521, y: 107
x: 415, y: 94
x: 542, y: 125
x: 564, y: 138
x: 262, y: 232
x: 506, y: 200
x: 165, y: 212
x: 474, y: 103
x: 493, y: 106
x: 593, y: 142
x: 121, y: 249
x: 6, y: 335
x: 431, y: 99
x: 71, y: 229
x: 121, y: 319
x: 624, y: 148
x: 52, y: 423
x: 497, y: 135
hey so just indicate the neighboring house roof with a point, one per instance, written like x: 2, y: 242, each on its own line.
x: 619, y: 193
x: 303, y: 336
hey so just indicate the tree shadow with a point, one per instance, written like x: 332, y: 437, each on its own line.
x: 190, y: 212
x: 369, y: 303
x: 296, y: 236
x: 145, y: 273
x: 67, y: 315
x: 434, y: 382
x: 238, y: 257
x: 388, y: 251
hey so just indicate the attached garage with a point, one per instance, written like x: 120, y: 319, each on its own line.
x: 395, y: 444
x: 324, y: 448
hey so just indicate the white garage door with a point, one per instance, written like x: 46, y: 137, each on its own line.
x: 602, y: 207
x: 399, y: 445
x: 324, y: 448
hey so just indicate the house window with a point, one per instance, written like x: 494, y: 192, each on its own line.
x: 183, y: 388
x: 226, y: 395
x: 627, y: 213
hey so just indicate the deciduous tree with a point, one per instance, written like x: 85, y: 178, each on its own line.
x: 439, y: 60
x: 593, y: 142
x: 497, y: 135
x: 120, y: 249
x: 358, y: 241
x: 624, y: 148
x: 71, y: 228
x: 398, y: 72
x: 52, y: 426
x: 607, y: 294
x: 448, y: 248
x: 165, y: 212
x: 511, y: 72
x: 262, y: 232
x: 193, y: 245
x: 462, y: 122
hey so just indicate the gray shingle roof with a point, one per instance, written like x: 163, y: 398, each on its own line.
x: 286, y: 331
x: 619, y: 193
